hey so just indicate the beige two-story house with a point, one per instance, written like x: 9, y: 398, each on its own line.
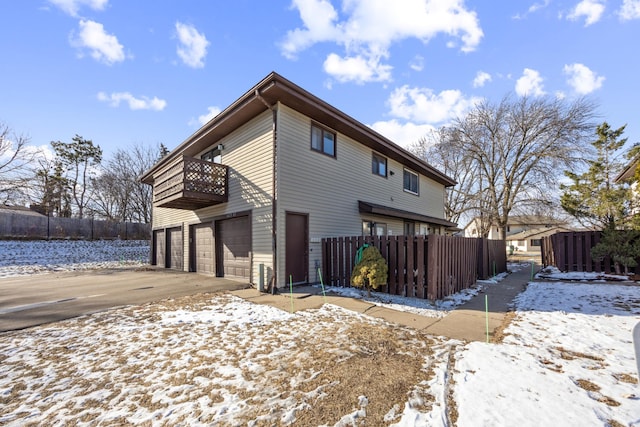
x: 251, y: 194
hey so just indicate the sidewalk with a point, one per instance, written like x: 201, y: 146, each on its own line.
x: 467, y: 322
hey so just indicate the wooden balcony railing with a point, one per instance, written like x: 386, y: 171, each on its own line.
x: 191, y: 184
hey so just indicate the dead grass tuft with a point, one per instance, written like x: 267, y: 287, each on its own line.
x: 383, y: 368
x: 626, y: 378
x: 498, y: 334
x: 587, y: 385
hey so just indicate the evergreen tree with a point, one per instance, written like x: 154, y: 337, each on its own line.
x: 80, y: 158
x: 593, y: 197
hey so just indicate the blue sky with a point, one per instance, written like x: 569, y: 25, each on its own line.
x: 123, y: 72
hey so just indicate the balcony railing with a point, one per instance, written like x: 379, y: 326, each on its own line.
x: 191, y: 184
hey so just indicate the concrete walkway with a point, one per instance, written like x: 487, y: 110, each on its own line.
x: 467, y: 322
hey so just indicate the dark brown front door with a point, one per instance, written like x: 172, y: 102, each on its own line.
x: 297, y: 247
x: 202, y: 248
x: 233, y: 248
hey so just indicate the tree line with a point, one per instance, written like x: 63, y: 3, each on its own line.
x: 541, y: 156
x: 78, y: 181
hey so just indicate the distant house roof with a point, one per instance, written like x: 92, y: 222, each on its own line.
x: 19, y: 210
x: 273, y: 89
x: 531, y: 220
x: 536, y: 232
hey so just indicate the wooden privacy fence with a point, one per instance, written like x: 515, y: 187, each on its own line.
x: 571, y: 251
x: 430, y: 266
x: 18, y: 226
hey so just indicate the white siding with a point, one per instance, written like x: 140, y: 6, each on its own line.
x: 248, y: 152
x: 328, y: 188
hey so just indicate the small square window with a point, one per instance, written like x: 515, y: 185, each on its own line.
x: 322, y: 140
x: 379, y: 165
x: 410, y: 182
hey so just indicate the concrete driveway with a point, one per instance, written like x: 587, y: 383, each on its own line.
x: 34, y: 300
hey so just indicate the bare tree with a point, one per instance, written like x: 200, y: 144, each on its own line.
x: 119, y: 194
x: 15, y: 156
x: 513, y: 153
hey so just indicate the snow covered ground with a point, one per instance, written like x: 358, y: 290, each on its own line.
x: 19, y: 258
x: 566, y: 359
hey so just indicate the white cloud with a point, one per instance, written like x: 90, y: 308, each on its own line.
x: 103, y: 47
x: 533, y: 8
x: 591, y: 10
x: 370, y: 27
x: 417, y: 63
x: 204, y: 118
x: 481, y: 78
x: 356, y: 69
x: 192, y: 48
x: 71, y: 7
x: 582, y: 79
x: 402, y: 134
x: 630, y: 10
x: 142, y: 103
x: 423, y: 106
x: 530, y: 83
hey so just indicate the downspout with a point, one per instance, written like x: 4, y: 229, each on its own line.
x: 273, y: 283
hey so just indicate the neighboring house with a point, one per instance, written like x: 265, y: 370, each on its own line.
x: 515, y: 224
x: 530, y: 240
x: 251, y: 193
x: 628, y: 175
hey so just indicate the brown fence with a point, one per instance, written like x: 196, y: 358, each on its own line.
x: 423, y: 266
x: 20, y: 226
x: 571, y: 251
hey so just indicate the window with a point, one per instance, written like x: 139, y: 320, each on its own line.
x: 535, y: 242
x: 409, y: 228
x: 322, y: 140
x: 214, y: 156
x: 379, y: 165
x: 370, y: 228
x: 410, y: 180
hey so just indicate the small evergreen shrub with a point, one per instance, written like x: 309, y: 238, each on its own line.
x: 371, y: 271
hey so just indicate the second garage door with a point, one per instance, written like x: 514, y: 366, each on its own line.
x: 233, y: 238
x: 202, y: 235
x: 175, y: 248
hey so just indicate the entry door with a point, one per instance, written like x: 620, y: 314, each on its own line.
x: 297, y: 247
x: 202, y: 248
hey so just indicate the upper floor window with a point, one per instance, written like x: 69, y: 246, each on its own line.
x: 214, y: 156
x: 323, y: 140
x: 379, y: 165
x: 410, y: 181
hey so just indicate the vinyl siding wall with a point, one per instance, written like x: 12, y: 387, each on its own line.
x: 248, y: 152
x: 328, y: 188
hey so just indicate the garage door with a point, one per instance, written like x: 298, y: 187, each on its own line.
x: 158, y: 250
x: 203, y: 261
x: 175, y: 248
x: 233, y: 239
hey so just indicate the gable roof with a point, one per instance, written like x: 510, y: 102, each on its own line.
x: 527, y: 234
x: 539, y: 220
x: 273, y: 89
x: 629, y: 171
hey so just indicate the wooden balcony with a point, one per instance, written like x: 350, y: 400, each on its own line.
x: 191, y: 184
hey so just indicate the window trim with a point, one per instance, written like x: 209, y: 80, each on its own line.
x: 324, y: 130
x: 213, y: 153
x: 378, y: 157
x: 417, y: 192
